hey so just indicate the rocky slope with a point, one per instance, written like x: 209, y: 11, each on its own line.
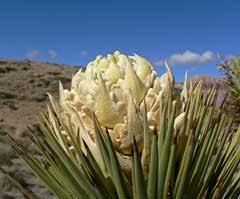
x: 23, y: 88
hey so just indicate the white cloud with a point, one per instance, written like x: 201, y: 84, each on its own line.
x: 83, y: 53
x: 189, y: 57
x: 52, y: 54
x: 159, y: 62
x: 32, y: 54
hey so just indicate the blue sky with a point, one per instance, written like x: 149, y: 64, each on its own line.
x: 186, y: 33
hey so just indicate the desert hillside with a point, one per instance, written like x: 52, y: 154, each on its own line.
x: 23, y: 88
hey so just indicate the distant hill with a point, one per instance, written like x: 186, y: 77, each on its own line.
x: 23, y: 88
x: 209, y: 82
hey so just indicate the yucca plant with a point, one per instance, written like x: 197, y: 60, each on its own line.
x: 118, y: 134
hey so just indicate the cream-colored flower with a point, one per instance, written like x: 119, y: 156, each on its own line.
x: 114, y: 88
